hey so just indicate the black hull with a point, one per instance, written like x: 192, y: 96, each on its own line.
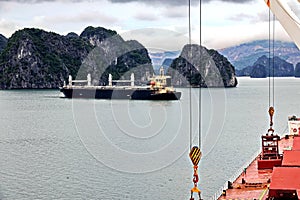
x: 134, y: 94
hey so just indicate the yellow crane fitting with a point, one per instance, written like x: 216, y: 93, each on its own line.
x: 195, y: 156
x: 271, y: 113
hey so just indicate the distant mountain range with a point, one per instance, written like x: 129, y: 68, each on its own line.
x: 248, y: 57
x: 263, y: 68
x: 163, y: 59
x: 245, y: 55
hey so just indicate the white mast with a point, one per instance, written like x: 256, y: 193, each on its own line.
x: 70, y: 80
x: 89, y: 80
x: 132, y: 79
x: 109, y: 80
x: 287, y: 18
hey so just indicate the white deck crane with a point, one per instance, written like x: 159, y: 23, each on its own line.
x: 287, y: 18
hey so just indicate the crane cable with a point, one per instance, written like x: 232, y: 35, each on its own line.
x: 271, y: 87
x: 190, y: 71
x: 200, y: 84
x: 195, y: 153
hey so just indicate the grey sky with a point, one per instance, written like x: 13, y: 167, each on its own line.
x: 224, y: 22
x: 176, y: 2
x: 167, y: 2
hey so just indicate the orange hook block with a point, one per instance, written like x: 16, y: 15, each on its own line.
x: 195, y: 189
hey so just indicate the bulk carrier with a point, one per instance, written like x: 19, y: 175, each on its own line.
x: 158, y: 88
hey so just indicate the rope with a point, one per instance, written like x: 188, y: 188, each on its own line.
x: 271, y: 63
x: 200, y: 90
x: 269, y: 59
x: 190, y: 70
x: 190, y: 36
x: 190, y: 88
x: 195, y: 152
x: 274, y: 18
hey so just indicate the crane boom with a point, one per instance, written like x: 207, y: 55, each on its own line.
x: 287, y: 18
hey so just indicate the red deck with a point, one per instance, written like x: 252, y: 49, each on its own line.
x: 285, y: 178
x: 285, y: 181
x: 256, y: 181
x: 291, y: 159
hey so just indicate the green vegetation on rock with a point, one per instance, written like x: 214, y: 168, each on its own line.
x: 208, y: 69
x: 34, y: 58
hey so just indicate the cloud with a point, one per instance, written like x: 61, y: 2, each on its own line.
x: 175, y: 12
x: 91, y: 16
x: 156, y: 38
x: 262, y: 17
x: 66, y: 23
x: 245, y: 17
x: 7, y: 27
x: 242, y: 33
x: 166, y: 2
x: 177, y: 2
x: 252, y: 19
x: 146, y: 16
x: 28, y: 1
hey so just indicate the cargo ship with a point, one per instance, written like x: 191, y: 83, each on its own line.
x: 157, y: 88
x: 274, y: 174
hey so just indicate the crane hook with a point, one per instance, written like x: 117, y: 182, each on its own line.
x: 195, y: 156
x: 271, y: 113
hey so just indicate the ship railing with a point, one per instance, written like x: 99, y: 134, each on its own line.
x: 235, y: 176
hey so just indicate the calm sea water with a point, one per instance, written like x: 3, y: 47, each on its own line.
x: 53, y: 148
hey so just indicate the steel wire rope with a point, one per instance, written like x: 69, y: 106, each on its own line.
x: 200, y: 90
x: 273, y: 51
x: 189, y: 63
x: 269, y: 59
x: 271, y: 62
x: 190, y: 78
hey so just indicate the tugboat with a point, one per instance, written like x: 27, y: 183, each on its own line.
x: 158, y: 88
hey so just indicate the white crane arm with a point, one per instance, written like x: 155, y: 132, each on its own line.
x: 287, y: 18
